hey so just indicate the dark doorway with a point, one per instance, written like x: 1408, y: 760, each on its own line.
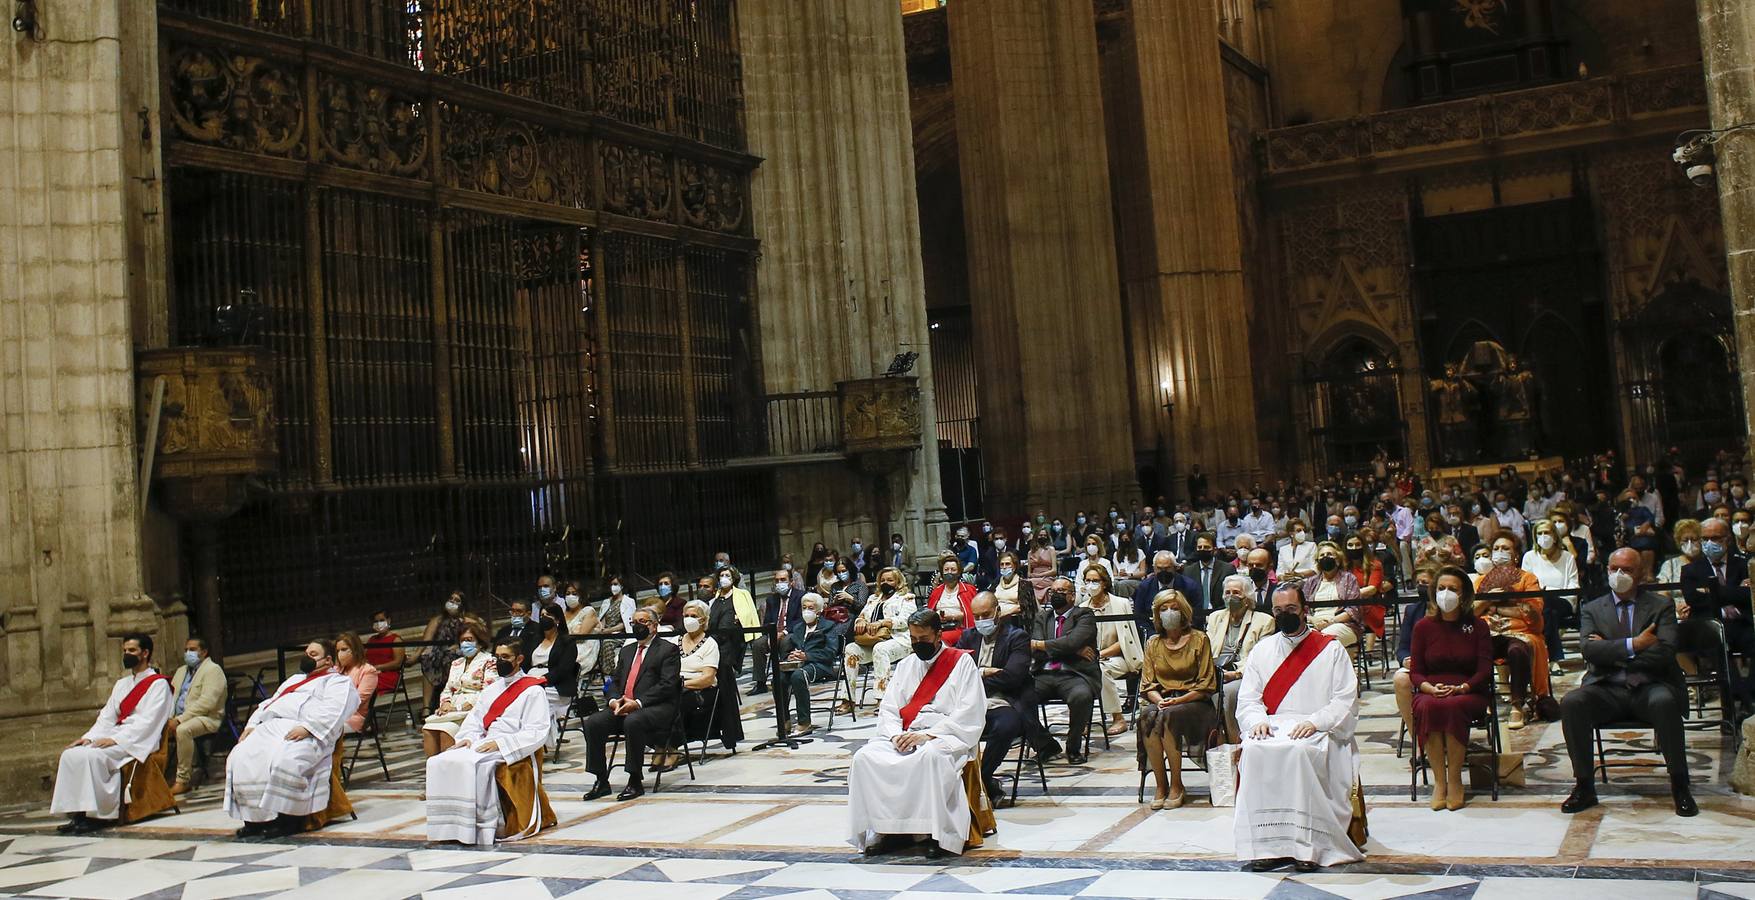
x: 1527, y: 278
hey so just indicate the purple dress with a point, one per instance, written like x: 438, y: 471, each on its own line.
x: 1450, y: 653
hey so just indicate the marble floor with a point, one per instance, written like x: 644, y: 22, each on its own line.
x: 773, y: 824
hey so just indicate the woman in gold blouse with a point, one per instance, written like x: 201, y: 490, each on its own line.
x: 1177, y: 683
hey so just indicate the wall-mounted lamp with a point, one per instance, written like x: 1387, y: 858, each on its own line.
x: 24, y: 20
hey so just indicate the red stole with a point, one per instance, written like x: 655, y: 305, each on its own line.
x: 928, y: 687
x: 139, y: 691
x: 1291, y: 669
x: 506, y: 697
x: 308, y: 679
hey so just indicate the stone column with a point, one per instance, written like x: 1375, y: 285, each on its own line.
x: 840, y: 281
x: 1181, y: 248
x: 1056, y: 430
x: 70, y: 575
x: 1727, y: 40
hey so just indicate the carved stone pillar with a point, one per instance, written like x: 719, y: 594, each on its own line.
x: 841, y: 285
x: 1727, y: 39
x: 1055, y: 424
x: 1181, y: 247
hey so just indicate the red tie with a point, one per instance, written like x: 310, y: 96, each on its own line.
x: 634, y: 674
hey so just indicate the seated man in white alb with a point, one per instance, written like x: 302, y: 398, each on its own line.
x: 509, y: 723
x: 1297, y: 710
x: 88, y: 787
x: 909, y: 779
x: 279, y: 771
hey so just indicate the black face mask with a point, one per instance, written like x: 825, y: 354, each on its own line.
x: 1328, y: 564
x: 1204, y: 555
x: 1059, y: 599
x: 925, y: 649
x: 130, y: 661
x: 307, y: 665
x: 1288, y: 622
x: 641, y: 632
x: 505, y: 667
x: 886, y: 589
x: 1355, y: 552
x: 1166, y: 574
x: 1260, y: 575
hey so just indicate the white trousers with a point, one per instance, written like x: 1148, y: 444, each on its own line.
x: 90, y: 781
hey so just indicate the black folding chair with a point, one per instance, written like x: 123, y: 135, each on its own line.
x: 1419, y: 767
x: 369, y: 729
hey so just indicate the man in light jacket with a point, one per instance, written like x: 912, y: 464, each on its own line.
x: 200, y: 686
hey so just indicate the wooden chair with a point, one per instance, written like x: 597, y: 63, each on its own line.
x: 144, y: 790
x: 981, y: 820
x: 339, y: 805
x: 522, y: 796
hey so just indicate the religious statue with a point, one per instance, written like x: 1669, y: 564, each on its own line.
x: 1457, y: 434
x: 1514, y: 387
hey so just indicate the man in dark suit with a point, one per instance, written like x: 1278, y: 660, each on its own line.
x: 1063, y: 646
x: 1466, y: 533
x: 816, y: 648
x: 1163, y: 577
x: 785, y: 604
x: 651, y: 675
x: 1716, y: 587
x: 521, y: 630
x: 1002, y: 653
x: 1209, y: 574
x: 1630, y: 646
x: 1180, y: 540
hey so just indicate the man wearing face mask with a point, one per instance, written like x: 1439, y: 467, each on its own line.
x: 1716, y: 587
x: 523, y: 626
x: 201, y: 689
x: 1208, y: 572
x: 1180, y: 541
x: 909, y: 780
x: 816, y: 643
x: 1063, y: 643
x: 279, y: 771
x: 649, y: 675
x: 1298, y: 709
x: 1165, y: 576
x: 988, y: 573
x: 1231, y: 526
x: 88, y: 785
x: 1002, y: 655
x: 968, y: 555
x: 1630, y: 646
x: 508, y: 725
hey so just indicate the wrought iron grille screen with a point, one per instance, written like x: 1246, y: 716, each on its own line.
x: 501, y: 252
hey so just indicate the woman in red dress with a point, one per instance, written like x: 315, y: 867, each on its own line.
x: 1451, y: 667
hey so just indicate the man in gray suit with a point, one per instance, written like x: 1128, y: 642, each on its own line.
x: 1630, y: 645
x: 1063, y: 647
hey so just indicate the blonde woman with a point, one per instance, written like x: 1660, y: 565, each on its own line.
x: 1177, y: 683
x: 1013, y: 592
x: 879, y: 633
x: 1118, y: 643
x: 1687, y: 535
x: 1329, y: 593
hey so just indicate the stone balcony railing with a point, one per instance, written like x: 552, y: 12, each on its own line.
x: 1627, y: 101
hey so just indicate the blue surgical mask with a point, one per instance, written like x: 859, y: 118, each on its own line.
x: 545, y: 592
x: 986, y: 626
x: 1006, y: 571
x: 467, y: 648
x: 1714, y: 550
x: 191, y: 658
x: 664, y: 590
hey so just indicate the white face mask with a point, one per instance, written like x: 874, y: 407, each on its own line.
x: 1562, y: 528
x: 1447, y: 600
x: 1483, y: 565
x: 1093, y: 588
x: 1738, y: 528
x: 1545, y: 541
x: 615, y: 590
x: 572, y: 601
x: 691, y: 624
x: 1620, y: 582
x: 1172, y: 619
x: 1502, y: 557
x: 1093, y: 551
x: 1298, y: 536
x: 999, y: 543
x: 1691, y: 549
x: 452, y: 607
x: 725, y: 581
x: 810, y: 615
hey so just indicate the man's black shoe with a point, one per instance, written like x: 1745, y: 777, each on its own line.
x: 1049, y: 753
x: 1076, y: 759
x: 878, y: 847
x: 71, y: 825
x: 252, y: 830
x: 598, y: 790
x: 1305, y: 867
x: 1264, y: 865
x: 633, y: 791
x: 87, y: 825
x: 1582, y: 798
x: 933, y: 850
x: 1685, y: 806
